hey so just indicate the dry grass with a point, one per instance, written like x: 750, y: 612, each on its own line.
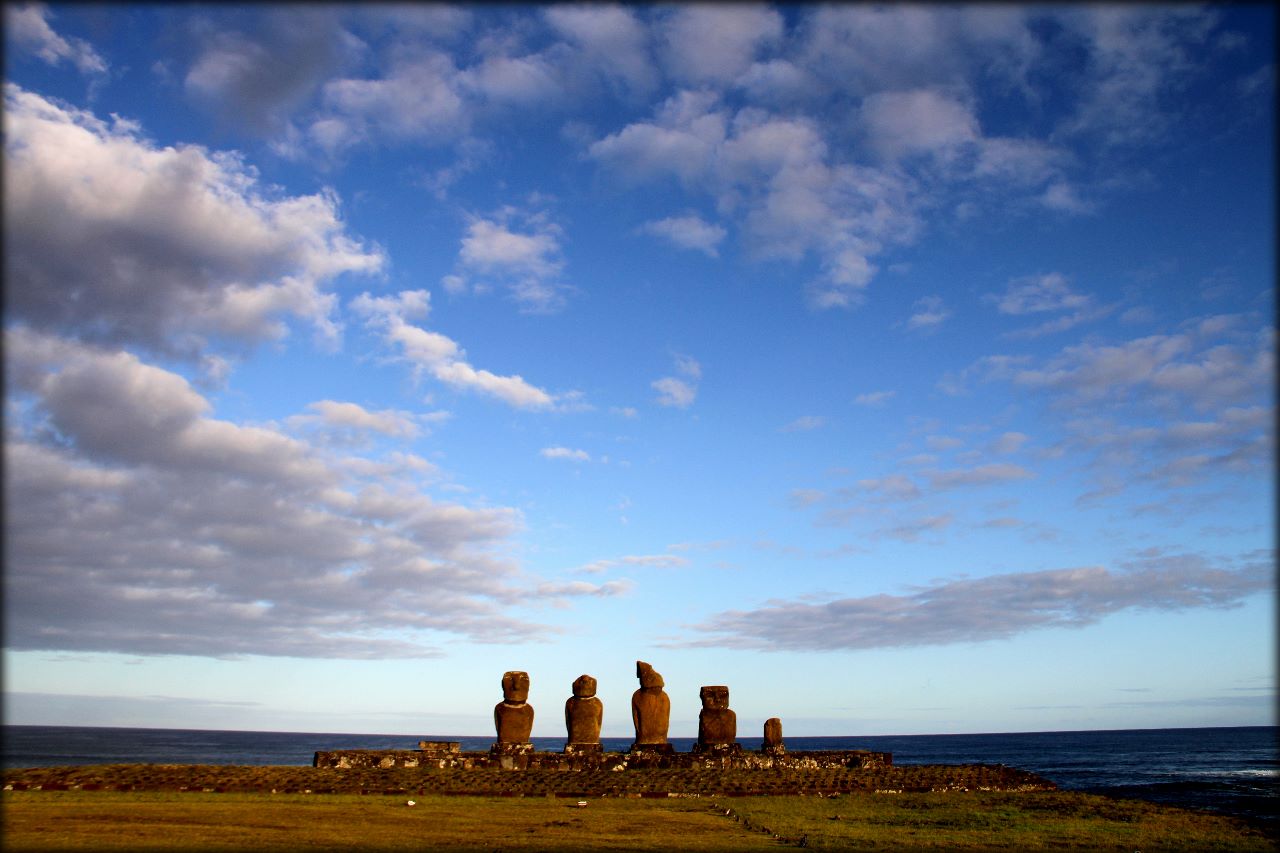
x: 109, y: 821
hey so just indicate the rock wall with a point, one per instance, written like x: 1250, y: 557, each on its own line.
x: 734, y: 758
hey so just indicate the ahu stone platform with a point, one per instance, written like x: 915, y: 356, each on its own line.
x: 445, y: 755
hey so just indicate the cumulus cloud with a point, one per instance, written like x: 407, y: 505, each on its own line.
x: 571, y: 454
x: 874, y: 399
x: 113, y: 238
x: 258, y: 80
x: 27, y: 27
x: 930, y: 313
x: 775, y: 175
x: 138, y: 522
x: 419, y: 98
x: 804, y: 423
x: 921, y: 121
x: 439, y: 355
x: 528, y: 262
x: 688, y: 232
x: 715, y: 43
x: 679, y: 392
x: 1038, y: 293
x: 614, y: 43
x: 997, y: 607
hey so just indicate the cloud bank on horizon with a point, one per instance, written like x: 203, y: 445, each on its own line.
x: 404, y: 332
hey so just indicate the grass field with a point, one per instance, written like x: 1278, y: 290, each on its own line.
x: 153, y: 820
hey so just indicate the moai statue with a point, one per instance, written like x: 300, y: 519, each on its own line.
x: 582, y: 715
x: 513, y: 716
x: 773, y: 736
x: 650, y: 709
x: 717, y: 725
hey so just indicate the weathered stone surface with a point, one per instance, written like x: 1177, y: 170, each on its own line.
x: 513, y: 716
x: 583, y: 712
x: 717, y: 724
x: 438, y: 748
x: 641, y: 756
x: 773, y: 736
x: 650, y: 706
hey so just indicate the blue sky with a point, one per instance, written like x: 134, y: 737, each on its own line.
x: 905, y: 369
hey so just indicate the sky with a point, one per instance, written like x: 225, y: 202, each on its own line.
x: 905, y: 369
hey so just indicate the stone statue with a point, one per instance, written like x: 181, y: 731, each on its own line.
x: 773, y: 735
x: 513, y: 716
x: 716, y: 723
x: 650, y: 706
x: 582, y: 713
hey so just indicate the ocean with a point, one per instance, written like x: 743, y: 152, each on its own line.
x: 1227, y: 770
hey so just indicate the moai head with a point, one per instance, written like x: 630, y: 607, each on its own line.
x: 772, y: 732
x: 714, y: 697
x: 515, y: 687
x: 649, y: 677
x: 584, y: 687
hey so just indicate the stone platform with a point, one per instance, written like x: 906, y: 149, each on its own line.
x: 730, y: 758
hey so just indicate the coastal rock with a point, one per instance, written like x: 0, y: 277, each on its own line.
x: 650, y: 707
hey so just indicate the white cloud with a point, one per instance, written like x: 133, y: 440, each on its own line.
x: 1135, y: 57
x: 227, y: 539
x: 613, y: 41
x: 528, y: 262
x: 679, y: 393
x: 354, y: 418
x: 715, y: 43
x: 658, y: 561
x: 439, y: 355
x: 675, y: 392
x: 991, y: 608
x: 874, y: 399
x: 608, y: 589
x: 775, y: 176
x: 804, y: 424
x: 1038, y: 293
x: 420, y: 98
x: 930, y: 313
x: 27, y: 26
x: 571, y: 454
x: 110, y: 236
x: 922, y: 121
x: 688, y: 232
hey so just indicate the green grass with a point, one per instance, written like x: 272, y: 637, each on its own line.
x: 992, y: 821
x: 151, y: 820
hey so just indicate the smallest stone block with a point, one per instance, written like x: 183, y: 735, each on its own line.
x: 584, y: 748
x: 439, y: 748
x: 653, y: 748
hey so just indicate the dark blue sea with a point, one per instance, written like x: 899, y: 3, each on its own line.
x: 1227, y: 770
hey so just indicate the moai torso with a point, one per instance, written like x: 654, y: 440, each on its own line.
x: 650, y: 706
x: 583, y: 712
x: 716, y: 723
x: 772, y: 733
x: 513, y: 716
